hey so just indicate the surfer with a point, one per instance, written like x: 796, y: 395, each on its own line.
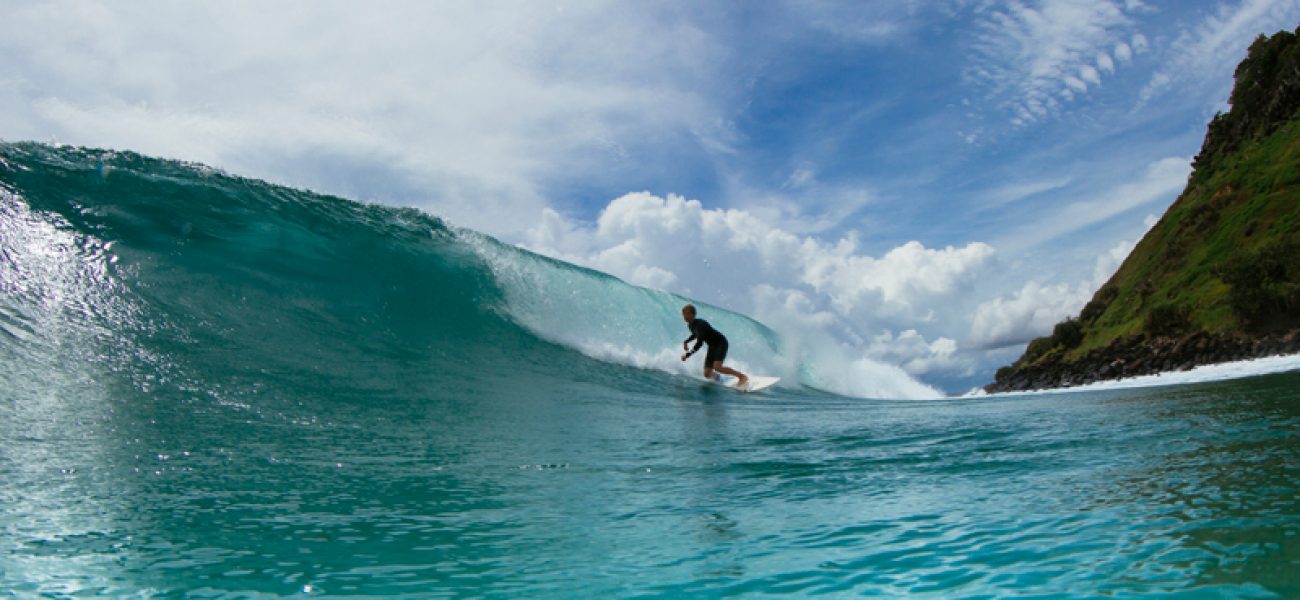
x: 703, y: 333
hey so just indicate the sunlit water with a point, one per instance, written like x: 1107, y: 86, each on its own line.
x: 600, y: 491
x: 216, y: 387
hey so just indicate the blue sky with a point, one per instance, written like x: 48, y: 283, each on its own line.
x: 929, y: 182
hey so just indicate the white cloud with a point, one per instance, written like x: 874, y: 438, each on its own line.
x: 1105, y: 63
x: 1090, y: 75
x: 1108, y: 262
x: 1139, y: 43
x: 1018, y: 191
x: 1028, y: 54
x: 1036, y: 308
x: 1028, y: 313
x: 917, y: 356
x: 708, y: 247
x: 1123, y: 52
x: 733, y: 258
x: 797, y: 307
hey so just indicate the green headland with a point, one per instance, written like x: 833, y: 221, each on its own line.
x: 1218, y: 277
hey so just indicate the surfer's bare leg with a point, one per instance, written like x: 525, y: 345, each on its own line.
x: 719, y: 367
x: 709, y: 374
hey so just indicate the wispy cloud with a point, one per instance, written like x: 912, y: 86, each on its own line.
x: 864, y: 22
x: 1161, y: 181
x: 1209, y: 50
x: 1034, y: 58
x: 1017, y: 191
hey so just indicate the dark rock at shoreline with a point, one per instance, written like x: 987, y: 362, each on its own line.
x: 1139, y: 355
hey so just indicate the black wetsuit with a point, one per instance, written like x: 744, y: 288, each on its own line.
x: 703, y: 333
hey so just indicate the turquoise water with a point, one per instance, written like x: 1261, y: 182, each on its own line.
x: 217, y: 387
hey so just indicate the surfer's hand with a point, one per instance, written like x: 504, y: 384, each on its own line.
x: 685, y: 356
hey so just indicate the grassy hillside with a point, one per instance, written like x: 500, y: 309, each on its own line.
x: 1225, y: 258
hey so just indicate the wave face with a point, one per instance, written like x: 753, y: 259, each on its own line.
x: 176, y: 264
x: 162, y: 270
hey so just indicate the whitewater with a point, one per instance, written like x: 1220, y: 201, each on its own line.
x: 214, y: 386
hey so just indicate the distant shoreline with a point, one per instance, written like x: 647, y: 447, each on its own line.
x: 1140, y: 355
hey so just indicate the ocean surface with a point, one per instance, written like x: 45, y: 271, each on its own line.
x: 216, y: 387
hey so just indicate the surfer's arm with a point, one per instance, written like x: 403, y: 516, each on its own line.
x: 686, y: 344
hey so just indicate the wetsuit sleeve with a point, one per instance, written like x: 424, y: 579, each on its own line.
x: 702, y: 332
x: 699, y: 340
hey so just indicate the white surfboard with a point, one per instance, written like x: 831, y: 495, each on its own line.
x: 755, y: 383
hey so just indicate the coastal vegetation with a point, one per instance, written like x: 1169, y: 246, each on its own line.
x: 1218, y: 277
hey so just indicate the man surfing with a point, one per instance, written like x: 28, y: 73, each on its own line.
x: 703, y: 333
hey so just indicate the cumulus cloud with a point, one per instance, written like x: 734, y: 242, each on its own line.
x: 1036, y: 308
x: 1029, y: 55
x: 1028, y: 313
x: 735, y: 259
x: 910, y: 350
x: 711, y: 253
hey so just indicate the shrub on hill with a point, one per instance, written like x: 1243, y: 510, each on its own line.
x: 1265, y: 283
x: 1166, y: 319
x: 1100, y: 301
x: 1066, y: 335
